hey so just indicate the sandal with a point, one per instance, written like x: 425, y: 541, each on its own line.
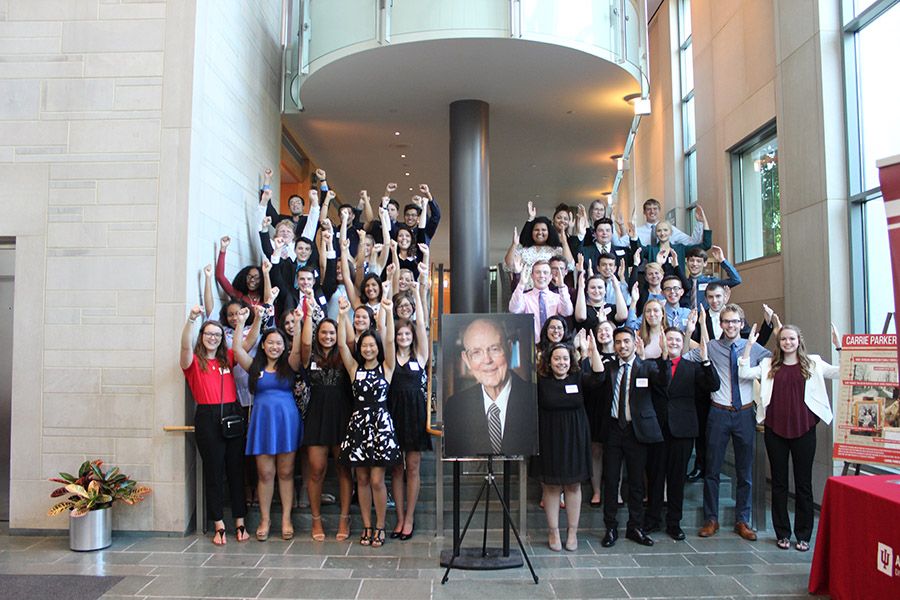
x: 318, y: 537
x: 378, y: 538
x: 341, y: 536
x: 287, y: 534
x: 263, y: 534
x: 366, y: 538
x: 802, y: 546
x: 241, y: 534
x: 220, y: 535
x: 783, y: 543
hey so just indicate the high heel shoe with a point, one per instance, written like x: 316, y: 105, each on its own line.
x: 340, y: 535
x: 263, y: 534
x: 378, y: 538
x: 556, y: 547
x: 573, y: 546
x: 287, y: 534
x: 318, y: 537
x: 366, y: 538
x: 408, y: 536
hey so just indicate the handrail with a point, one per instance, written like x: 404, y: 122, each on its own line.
x: 181, y: 428
x: 434, y: 317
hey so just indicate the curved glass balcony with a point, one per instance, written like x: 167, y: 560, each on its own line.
x: 322, y: 31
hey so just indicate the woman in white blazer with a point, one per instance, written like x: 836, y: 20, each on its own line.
x: 793, y: 399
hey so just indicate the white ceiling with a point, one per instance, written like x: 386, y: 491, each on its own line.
x: 556, y: 117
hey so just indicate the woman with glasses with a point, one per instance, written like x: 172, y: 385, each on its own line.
x: 247, y: 284
x: 207, y: 366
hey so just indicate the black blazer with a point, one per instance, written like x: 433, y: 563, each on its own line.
x: 678, y: 409
x: 466, y: 426
x: 643, y: 416
x: 289, y: 297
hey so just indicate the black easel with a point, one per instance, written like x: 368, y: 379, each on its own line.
x: 508, y: 522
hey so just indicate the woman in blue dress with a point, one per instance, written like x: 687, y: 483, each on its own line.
x: 370, y: 445
x: 276, y: 427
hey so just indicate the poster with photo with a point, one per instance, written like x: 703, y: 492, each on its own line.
x: 488, y: 359
x: 867, y: 412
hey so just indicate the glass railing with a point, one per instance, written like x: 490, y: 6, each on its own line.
x: 321, y: 31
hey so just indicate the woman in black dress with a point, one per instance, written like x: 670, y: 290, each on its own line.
x: 409, y: 411
x: 327, y: 415
x: 565, y: 438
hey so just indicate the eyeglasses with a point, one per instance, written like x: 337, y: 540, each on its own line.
x: 556, y: 328
x: 730, y: 321
x: 478, y: 354
x: 672, y: 288
x: 253, y: 276
x: 212, y: 335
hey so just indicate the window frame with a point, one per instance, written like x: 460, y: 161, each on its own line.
x: 736, y: 152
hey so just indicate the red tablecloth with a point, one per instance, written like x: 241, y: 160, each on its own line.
x: 858, y: 545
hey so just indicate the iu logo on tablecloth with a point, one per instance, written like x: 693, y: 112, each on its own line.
x: 886, y: 560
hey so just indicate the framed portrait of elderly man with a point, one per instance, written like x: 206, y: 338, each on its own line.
x: 489, y: 394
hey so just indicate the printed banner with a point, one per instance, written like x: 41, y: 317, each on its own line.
x: 867, y: 412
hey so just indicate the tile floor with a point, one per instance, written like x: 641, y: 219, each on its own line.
x: 724, y: 566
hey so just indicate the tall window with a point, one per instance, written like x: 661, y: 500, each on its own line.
x: 757, y: 207
x: 688, y: 123
x: 871, y: 49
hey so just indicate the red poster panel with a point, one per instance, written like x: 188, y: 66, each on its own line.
x: 889, y: 175
x: 867, y: 412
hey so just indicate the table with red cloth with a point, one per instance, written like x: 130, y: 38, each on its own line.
x: 857, y: 551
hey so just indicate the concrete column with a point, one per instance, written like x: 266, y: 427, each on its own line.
x: 470, y: 203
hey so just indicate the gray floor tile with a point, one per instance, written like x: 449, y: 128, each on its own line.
x: 187, y: 572
x: 396, y: 590
x: 296, y: 561
x: 586, y: 588
x: 407, y: 562
x: 333, y: 589
x: 131, y: 585
x: 620, y: 573
x: 680, y: 587
x: 737, y: 570
x: 766, y: 584
x: 785, y: 568
x: 198, y: 586
x: 167, y: 544
x: 178, y: 559
x: 661, y: 560
x: 780, y: 557
x: 118, y: 570
x: 12, y: 543
x: 317, y: 573
x: 508, y: 589
x: 724, y: 558
x: 385, y: 574
x: 104, y: 557
x: 319, y: 548
x: 361, y: 562
x: 393, y: 548
x: 234, y: 560
x: 602, y: 561
x: 722, y: 543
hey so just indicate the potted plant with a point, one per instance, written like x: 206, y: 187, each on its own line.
x: 92, y: 494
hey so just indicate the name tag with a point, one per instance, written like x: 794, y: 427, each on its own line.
x: 322, y: 300
x: 702, y: 287
x: 226, y: 371
x: 413, y: 365
x: 620, y: 253
x: 360, y: 375
x: 313, y: 366
x: 571, y: 389
x: 641, y: 382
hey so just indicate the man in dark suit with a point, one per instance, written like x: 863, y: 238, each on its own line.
x: 499, y: 415
x: 628, y: 425
x: 676, y: 410
x: 603, y: 244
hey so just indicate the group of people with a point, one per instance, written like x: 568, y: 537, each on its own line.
x: 323, y: 349
x: 640, y: 360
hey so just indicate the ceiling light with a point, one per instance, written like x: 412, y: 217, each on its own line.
x: 396, y: 133
x: 407, y: 173
x: 641, y: 104
x: 410, y: 189
x: 402, y: 156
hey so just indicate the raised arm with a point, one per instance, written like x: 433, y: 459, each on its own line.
x: 366, y: 205
x: 594, y: 354
x: 267, y: 280
x: 517, y: 300
x: 312, y: 218
x: 511, y: 253
x: 343, y: 348
x: 220, y: 269
x: 306, y: 335
x: 208, y: 299
x: 187, y: 350
x: 345, y: 269
x: 387, y: 313
x: 423, y: 343
x: 424, y: 282
x: 237, y: 346
x: 395, y: 262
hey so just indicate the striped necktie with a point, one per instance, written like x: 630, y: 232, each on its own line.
x: 495, y: 429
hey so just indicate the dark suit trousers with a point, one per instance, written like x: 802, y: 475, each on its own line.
x: 802, y: 450
x: 622, y: 445
x: 666, y: 464
x: 702, y: 403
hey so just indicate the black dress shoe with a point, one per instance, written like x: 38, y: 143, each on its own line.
x: 637, y: 536
x: 696, y: 475
x: 609, y: 540
x: 395, y: 535
x: 675, y: 533
x: 408, y: 536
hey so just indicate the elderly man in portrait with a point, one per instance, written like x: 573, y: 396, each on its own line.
x: 498, y: 416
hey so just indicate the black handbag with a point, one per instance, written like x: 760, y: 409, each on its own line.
x: 232, y: 425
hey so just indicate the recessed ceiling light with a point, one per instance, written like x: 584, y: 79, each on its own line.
x: 407, y: 173
x: 402, y: 156
x: 410, y: 189
x: 537, y: 195
x: 533, y: 166
x: 570, y: 112
x: 396, y: 133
